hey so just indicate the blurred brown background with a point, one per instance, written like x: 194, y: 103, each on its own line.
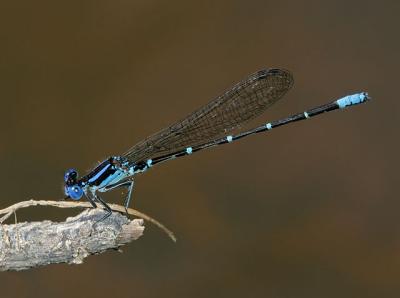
x: 309, y: 210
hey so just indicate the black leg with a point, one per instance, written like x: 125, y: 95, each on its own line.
x: 129, y: 184
x: 128, y: 197
x: 90, y: 199
x: 106, y: 207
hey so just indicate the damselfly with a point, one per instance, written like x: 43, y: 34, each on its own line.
x: 206, y: 127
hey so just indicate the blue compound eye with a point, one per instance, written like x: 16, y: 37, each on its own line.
x: 75, y: 192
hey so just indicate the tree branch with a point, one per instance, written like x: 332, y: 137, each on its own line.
x: 32, y: 244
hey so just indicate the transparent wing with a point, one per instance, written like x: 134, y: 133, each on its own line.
x: 243, y: 102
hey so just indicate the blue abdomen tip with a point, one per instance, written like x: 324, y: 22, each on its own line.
x: 354, y: 99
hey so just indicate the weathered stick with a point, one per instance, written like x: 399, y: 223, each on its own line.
x: 32, y: 244
x: 68, y: 204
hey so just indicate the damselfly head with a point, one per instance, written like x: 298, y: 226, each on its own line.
x: 71, y: 188
x: 70, y: 177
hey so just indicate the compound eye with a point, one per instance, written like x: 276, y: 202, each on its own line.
x: 75, y: 192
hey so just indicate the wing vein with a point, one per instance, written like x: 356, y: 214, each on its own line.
x: 243, y: 102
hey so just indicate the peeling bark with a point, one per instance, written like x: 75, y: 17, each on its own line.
x: 32, y: 244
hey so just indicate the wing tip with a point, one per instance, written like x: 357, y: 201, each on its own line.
x: 276, y: 72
